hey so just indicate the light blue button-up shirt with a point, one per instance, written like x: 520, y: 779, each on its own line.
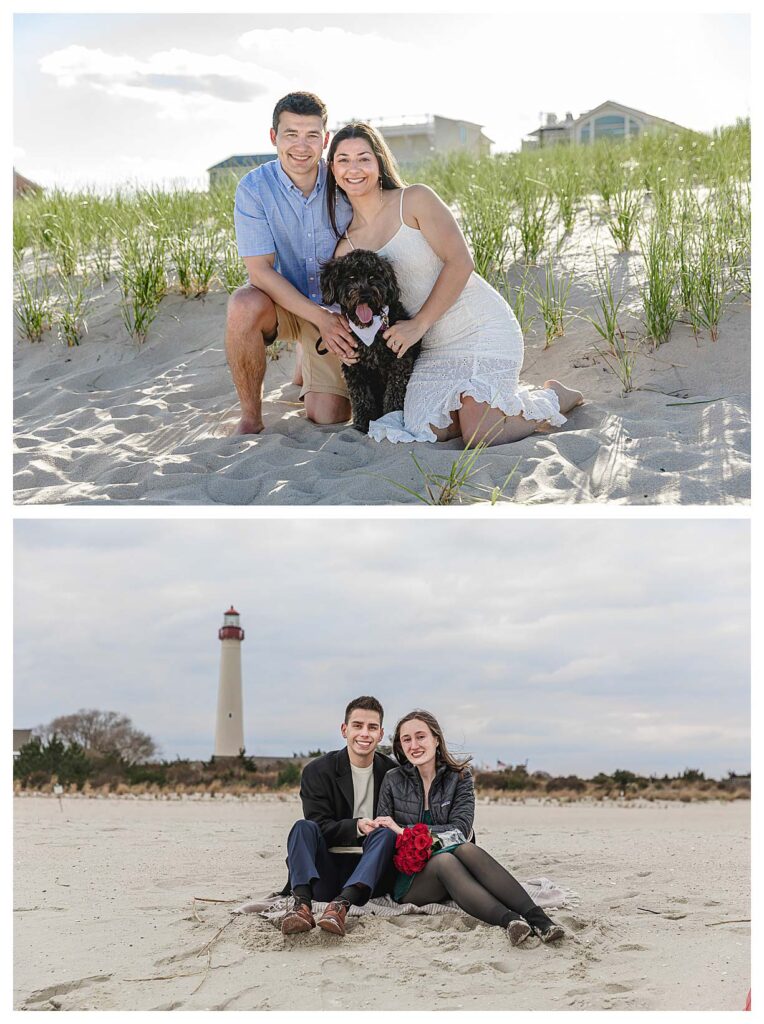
x: 272, y: 215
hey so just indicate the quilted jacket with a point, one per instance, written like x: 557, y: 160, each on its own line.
x: 451, y: 798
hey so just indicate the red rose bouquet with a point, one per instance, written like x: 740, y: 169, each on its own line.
x: 413, y: 848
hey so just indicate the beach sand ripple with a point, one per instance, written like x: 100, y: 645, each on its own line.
x: 112, y: 423
x: 105, y: 916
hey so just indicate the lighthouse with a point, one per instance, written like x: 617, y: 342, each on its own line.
x: 229, y: 729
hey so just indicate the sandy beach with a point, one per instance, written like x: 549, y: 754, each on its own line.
x: 105, y: 917
x: 112, y: 423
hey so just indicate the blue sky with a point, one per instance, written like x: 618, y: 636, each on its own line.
x: 103, y: 98
x: 581, y: 646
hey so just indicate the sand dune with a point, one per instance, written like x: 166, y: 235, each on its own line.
x: 112, y: 423
x: 105, y: 917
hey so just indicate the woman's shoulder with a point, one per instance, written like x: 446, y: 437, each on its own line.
x: 418, y: 189
x: 420, y: 195
x: 398, y: 776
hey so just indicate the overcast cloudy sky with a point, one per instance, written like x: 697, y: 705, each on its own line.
x: 105, y: 98
x: 581, y: 646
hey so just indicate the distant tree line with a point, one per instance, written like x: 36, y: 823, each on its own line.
x: 102, y: 749
x: 517, y: 779
x: 103, y: 733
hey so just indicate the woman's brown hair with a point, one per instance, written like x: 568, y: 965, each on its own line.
x: 389, y: 175
x: 442, y: 753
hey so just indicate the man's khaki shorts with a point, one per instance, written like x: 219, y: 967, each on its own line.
x: 320, y: 373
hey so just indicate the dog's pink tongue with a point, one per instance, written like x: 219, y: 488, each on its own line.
x: 364, y: 313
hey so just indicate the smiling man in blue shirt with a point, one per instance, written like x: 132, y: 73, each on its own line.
x: 283, y: 236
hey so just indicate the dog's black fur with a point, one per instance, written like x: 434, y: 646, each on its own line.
x: 377, y: 382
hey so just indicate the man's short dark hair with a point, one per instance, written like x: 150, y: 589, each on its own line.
x: 305, y: 103
x: 364, y: 704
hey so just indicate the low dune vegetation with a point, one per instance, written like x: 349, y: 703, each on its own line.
x: 44, y: 764
x: 628, y: 238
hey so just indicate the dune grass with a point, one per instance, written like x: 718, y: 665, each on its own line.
x: 552, y: 300
x: 607, y: 306
x: 33, y: 305
x: 681, y: 202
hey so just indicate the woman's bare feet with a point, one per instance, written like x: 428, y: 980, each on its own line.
x: 569, y: 398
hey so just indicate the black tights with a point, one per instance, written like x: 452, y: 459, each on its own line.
x: 475, y: 882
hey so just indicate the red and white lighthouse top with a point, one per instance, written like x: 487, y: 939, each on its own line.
x: 231, y: 630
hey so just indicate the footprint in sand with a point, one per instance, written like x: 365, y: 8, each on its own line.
x: 341, y: 975
x: 502, y: 968
x: 477, y: 968
x: 44, y: 994
x: 573, y: 924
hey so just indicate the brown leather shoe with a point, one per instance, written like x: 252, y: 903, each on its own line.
x: 299, y: 919
x: 333, y: 918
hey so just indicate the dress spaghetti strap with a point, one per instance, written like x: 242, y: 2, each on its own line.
x: 347, y: 236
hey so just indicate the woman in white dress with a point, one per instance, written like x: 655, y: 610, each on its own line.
x: 466, y: 379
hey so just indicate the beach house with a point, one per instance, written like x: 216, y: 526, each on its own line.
x: 609, y: 120
x: 20, y: 738
x: 23, y: 186
x: 235, y: 167
x: 417, y: 137
x: 411, y: 138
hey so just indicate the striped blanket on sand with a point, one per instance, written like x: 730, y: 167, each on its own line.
x: 542, y: 891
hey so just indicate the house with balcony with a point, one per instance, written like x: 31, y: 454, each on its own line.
x: 411, y: 138
x: 610, y: 120
x: 414, y: 138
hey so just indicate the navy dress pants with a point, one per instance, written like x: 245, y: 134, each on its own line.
x: 310, y: 862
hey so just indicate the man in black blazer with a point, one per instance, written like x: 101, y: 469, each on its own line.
x: 337, y: 853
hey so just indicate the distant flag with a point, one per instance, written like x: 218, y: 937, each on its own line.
x: 500, y: 764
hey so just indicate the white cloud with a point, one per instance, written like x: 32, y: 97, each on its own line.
x: 70, y: 65
x: 181, y: 84
x: 311, y: 52
x: 473, y: 66
x: 637, y: 658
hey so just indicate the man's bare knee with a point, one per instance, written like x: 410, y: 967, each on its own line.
x: 250, y: 308
x: 324, y: 408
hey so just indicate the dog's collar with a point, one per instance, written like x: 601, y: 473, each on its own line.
x: 368, y: 333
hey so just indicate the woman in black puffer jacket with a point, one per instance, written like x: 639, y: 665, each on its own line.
x: 433, y: 787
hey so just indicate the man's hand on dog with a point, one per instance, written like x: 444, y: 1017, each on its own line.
x: 401, y: 336
x: 337, y: 336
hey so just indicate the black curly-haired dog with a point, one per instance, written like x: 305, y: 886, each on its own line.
x: 364, y: 285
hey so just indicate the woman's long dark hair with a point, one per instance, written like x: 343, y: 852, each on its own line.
x: 388, y: 169
x: 442, y: 753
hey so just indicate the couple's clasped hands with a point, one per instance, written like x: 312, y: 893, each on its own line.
x: 339, y: 339
x: 368, y: 825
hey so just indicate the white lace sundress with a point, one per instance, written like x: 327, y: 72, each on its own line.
x: 476, y: 349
